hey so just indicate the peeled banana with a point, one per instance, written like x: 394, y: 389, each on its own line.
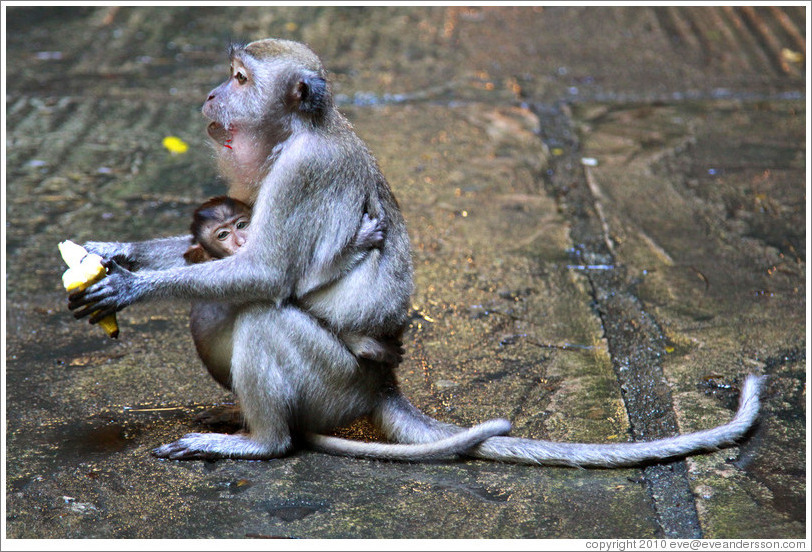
x: 84, y: 270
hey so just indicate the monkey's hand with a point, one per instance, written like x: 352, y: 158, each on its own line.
x: 371, y: 232
x: 121, y: 253
x: 111, y: 294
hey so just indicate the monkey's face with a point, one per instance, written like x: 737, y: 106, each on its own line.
x: 235, y: 103
x: 271, y: 82
x: 227, y: 238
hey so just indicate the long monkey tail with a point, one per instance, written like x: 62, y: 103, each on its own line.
x: 458, y: 443
x: 403, y: 422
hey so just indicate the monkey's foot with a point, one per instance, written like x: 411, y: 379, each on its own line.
x: 222, y: 415
x: 210, y: 446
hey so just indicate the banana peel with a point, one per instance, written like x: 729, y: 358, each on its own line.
x: 84, y: 270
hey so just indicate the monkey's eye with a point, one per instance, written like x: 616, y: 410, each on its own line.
x: 242, y: 224
x: 222, y: 235
x: 240, y: 77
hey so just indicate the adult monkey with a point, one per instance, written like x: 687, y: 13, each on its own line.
x: 288, y: 152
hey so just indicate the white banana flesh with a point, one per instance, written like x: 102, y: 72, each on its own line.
x: 84, y: 270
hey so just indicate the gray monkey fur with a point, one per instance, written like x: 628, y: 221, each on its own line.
x: 287, y: 151
x: 212, y: 337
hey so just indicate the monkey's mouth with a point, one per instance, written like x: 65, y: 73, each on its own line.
x: 220, y: 134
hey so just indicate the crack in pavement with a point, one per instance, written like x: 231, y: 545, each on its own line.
x: 636, y: 342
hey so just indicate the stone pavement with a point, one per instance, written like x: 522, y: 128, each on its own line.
x: 607, y: 208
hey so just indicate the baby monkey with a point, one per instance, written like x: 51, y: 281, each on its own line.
x: 220, y: 228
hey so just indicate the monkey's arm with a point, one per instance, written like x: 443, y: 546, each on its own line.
x: 344, y: 212
x: 258, y: 272
x: 237, y: 278
x: 158, y: 254
x: 369, y: 236
x: 307, y: 214
x: 291, y: 237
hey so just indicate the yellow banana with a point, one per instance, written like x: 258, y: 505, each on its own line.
x: 85, y: 269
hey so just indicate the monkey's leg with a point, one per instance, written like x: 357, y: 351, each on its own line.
x: 212, y: 327
x: 402, y: 422
x: 305, y: 368
x: 288, y: 371
x: 212, y: 324
x: 259, y: 379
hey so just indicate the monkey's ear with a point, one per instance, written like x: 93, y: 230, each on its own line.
x: 310, y: 92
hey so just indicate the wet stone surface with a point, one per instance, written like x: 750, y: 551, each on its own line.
x: 728, y: 295
x: 696, y: 193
